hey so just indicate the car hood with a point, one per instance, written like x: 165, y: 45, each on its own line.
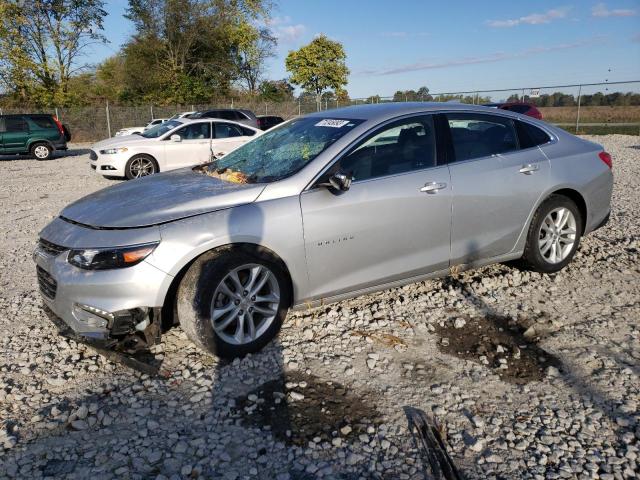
x: 159, y: 198
x: 122, y: 141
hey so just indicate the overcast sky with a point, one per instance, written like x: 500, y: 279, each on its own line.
x: 453, y: 45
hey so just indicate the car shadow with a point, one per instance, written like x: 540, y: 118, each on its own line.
x: 71, y: 152
x: 585, y: 387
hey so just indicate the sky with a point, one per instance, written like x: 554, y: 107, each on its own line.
x: 454, y: 45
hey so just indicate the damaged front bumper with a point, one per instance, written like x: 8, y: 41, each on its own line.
x: 117, y: 307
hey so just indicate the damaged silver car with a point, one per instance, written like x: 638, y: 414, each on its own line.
x: 319, y: 209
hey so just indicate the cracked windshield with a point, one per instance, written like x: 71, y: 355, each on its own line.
x: 281, y: 152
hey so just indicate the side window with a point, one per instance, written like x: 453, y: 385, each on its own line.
x: 476, y: 135
x: 43, y: 121
x: 400, y: 147
x: 247, y: 132
x: 15, y: 124
x: 195, y: 131
x: 226, y: 130
x: 530, y: 136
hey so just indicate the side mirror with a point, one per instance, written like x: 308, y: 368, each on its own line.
x: 176, y: 138
x: 338, y: 182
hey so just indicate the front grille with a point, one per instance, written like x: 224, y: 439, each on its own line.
x: 93, y: 155
x: 50, y: 248
x: 48, y: 286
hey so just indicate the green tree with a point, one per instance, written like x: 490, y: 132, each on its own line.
x: 43, y: 42
x: 276, y: 91
x: 318, y: 66
x: 253, y: 46
x: 191, y: 50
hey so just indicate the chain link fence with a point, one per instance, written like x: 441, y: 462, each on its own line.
x: 92, y: 123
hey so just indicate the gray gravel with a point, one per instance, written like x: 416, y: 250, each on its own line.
x: 550, y: 388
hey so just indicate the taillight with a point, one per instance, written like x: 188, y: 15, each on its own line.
x: 606, y: 158
x: 55, y: 119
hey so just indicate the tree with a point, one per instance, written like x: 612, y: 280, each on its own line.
x: 43, y: 42
x: 253, y: 47
x: 276, y: 91
x: 318, y: 66
x: 188, y: 51
x: 422, y: 95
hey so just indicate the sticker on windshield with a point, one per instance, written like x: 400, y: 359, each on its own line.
x: 332, y: 123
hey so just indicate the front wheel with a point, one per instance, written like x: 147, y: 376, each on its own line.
x: 140, y: 166
x: 232, y: 302
x: 554, y: 235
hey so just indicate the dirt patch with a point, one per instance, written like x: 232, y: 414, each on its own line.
x: 499, y: 343
x: 299, y: 408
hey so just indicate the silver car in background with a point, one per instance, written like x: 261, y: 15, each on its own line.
x: 319, y: 209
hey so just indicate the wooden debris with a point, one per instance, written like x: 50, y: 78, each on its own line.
x: 429, y: 437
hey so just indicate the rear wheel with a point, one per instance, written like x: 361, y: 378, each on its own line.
x: 41, y: 151
x: 140, y: 166
x: 554, y: 235
x: 233, y: 302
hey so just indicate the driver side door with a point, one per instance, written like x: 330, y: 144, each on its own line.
x: 394, y: 221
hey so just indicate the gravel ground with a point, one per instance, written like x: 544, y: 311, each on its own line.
x: 531, y: 376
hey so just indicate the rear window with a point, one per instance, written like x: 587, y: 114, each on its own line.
x: 530, y: 136
x: 477, y: 135
x: 518, y: 108
x: 43, y: 121
x: 226, y: 130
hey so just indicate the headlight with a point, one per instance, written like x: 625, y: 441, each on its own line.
x: 111, y: 151
x: 107, y: 258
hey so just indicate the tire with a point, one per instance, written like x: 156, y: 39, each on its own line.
x: 41, y: 151
x: 140, y: 166
x: 214, y: 313
x: 548, y: 248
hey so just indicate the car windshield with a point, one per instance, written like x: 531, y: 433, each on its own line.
x: 161, y: 129
x: 281, y: 152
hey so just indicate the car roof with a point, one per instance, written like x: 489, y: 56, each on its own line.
x: 509, y: 104
x: 215, y: 120
x: 384, y: 111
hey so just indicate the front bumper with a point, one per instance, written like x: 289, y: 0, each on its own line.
x: 96, y: 303
x: 109, y: 165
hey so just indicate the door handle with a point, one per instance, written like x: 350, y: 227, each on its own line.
x: 433, y: 187
x: 529, y: 168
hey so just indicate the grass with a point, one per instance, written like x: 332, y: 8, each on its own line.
x: 591, y: 114
x: 604, y: 130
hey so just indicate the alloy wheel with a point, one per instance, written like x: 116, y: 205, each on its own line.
x: 245, y: 304
x: 41, y: 152
x: 557, y: 235
x: 141, y: 167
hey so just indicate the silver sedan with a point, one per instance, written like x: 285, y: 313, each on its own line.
x: 319, y: 209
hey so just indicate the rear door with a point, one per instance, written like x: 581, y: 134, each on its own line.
x: 228, y: 137
x: 194, y: 147
x: 495, y: 183
x: 394, y: 221
x: 15, y: 136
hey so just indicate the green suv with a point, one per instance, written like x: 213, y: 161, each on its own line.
x: 35, y: 134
